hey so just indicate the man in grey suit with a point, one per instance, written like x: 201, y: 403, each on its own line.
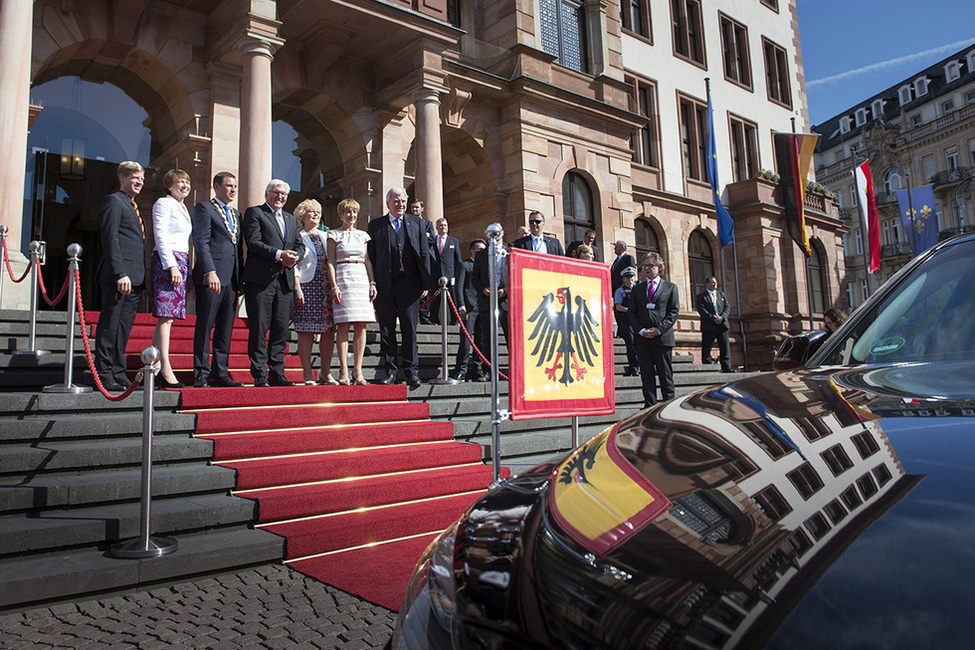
x: 713, y: 307
x: 399, y: 252
x: 445, y: 261
x: 274, y: 246
x: 654, y: 307
x: 121, y: 274
x: 218, y: 242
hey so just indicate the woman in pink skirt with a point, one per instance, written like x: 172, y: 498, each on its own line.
x: 171, y: 228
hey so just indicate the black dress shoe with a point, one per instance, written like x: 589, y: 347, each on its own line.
x: 260, y: 382
x: 162, y: 383
x: 388, y: 379
x: 200, y: 382
x: 113, y: 387
x: 124, y: 382
x: 225, y: 382
x: 729, y: 370
x: 275, y: 380
x: 484, y: 377
x: 413, y: 381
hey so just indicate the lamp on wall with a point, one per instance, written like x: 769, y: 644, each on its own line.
x: 73, y: 148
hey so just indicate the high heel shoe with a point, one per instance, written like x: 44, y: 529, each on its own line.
x: 327, y: 380
x: 162, y: 383
x: 360, y: 380
x: 344, y: 380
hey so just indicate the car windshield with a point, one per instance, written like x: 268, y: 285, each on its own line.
x: 929, y: 316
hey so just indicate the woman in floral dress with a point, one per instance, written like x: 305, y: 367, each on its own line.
x: 312, y: 313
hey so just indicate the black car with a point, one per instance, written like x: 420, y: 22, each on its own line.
x: 829, y: 506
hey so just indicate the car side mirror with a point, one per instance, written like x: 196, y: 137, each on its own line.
x: 798, y: 349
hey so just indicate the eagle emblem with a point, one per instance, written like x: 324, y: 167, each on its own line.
x: 563, y: 337
x: 574, y: 470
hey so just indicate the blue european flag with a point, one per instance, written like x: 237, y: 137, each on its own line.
x: 919, y: 217
x: 726, y: 227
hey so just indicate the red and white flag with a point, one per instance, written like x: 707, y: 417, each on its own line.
x: 868, y: 210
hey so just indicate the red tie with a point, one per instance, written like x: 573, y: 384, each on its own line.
x: 441, y: 244
x: 142, y: 226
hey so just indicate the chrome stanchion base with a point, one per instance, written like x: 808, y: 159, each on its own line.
x: 73, y: 389
x: 134, y: 549
x: 440, y: 381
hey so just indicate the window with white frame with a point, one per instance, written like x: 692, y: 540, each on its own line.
x: 877, y: 109
x: 951, y: 159
x: 970, y: 97
x: 849, y: 293
x: 904, y: 94
x: 895, y: 230
x: 861, y: 116
x: 858, y: 238
x: 863, y: 290
x: 885, y: 228
x: 892, y: 180
x: 916, y: 119
x: 928, y: 168
x: 947, y: 107
x: 563, y: 27
x: 853, y: 196
x: 844, y: 125
x: 970, y: 57
x: 952, y: 71
x: 920, y: 86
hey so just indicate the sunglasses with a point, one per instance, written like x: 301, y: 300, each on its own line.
x: 535, y: 222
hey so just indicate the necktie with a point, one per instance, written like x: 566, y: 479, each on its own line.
x: 396, y: 225
x: 142, y: 226
x: 537, y: 245
x: 440, y: 245
x: 651, y: 289
x: 280, y: 218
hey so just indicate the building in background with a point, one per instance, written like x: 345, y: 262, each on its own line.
x: 593, y: 113
x: 920, y: 131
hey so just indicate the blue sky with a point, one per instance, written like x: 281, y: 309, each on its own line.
x: 852, y: 49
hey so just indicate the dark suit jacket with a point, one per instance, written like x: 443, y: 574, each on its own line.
x: 446, y: 264
x: 482, y: 279
x: 551, y: 243
x: 123, y: 245
x: 709, y: 311
x: 597, y: 256
x: 215, y: 248
x: 380, y: 233
x: 465, y: 281
x: 263, y: 237
x: 663, y: 314
x: 619, y: 264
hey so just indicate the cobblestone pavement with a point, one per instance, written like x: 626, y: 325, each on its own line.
x: 270, y: 606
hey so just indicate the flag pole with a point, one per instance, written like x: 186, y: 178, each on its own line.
x: 910, y: 214
x: 809, y: 300
x: 741, y: 322
x: 863, y: 226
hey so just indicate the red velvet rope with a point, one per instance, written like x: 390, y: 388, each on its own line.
x: 10, y: 271
x: 430, y: 299
x: 468, y: 335
x: 40, y: 282
x: 91, y: 361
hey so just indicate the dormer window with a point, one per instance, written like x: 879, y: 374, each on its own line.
x: 970, y: 57
x: 878, y: 109
x: 844, y: 125
x: 904, y: 94
x: 920, y: 86
x: 861, y: 116
x: 952, y: 71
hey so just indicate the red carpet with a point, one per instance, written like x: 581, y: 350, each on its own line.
x: 356, y: 478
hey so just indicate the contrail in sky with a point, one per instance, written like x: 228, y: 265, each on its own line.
x: 874, y: 67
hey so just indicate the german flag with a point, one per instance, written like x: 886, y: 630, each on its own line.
x: 794, y: 152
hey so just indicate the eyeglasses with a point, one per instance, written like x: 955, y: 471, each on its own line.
x: 535, y: 222
x: 648, y: 266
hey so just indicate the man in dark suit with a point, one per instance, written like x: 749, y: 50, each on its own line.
x: 399, y: 253
x: 274, y: 246
x: 713, y: 307
x: 654, y: 307
x: 121, y: 274
x: 589, y: 239
x: 482, y: 286
x: 536, y: 240
x: 445, y: 261
x: 623, y: 261
x: 469, y: 316
x: 218, y: 242
x: 428, y: 315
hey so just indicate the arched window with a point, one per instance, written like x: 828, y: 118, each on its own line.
x: 700, y: 259
x: 816, y: 279
x: 892, y: 180
x: 577, y: 209
x: 646, y: 239
x: 564, y: 32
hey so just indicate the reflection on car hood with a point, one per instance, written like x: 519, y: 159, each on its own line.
x: 808, y: 508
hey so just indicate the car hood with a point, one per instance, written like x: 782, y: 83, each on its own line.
x: 808, y: 508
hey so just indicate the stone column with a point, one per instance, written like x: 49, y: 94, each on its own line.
x: 225, y: 128
x: 255, y: 120
x: 429, y: 157
x: 16, y: 27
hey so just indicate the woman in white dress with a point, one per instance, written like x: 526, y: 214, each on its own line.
x: 353, y: 289
x: 171, y: 229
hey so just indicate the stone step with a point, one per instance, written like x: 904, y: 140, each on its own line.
x: 22, y: 535
x: 64, y: 573
x: 24, y: 404
x: 20, y: 493
x: 45, y: 428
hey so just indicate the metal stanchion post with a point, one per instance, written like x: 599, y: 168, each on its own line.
x: 35, y: 247
x: 444, y: 319
x: 74, y: 254
x: 493, y: 233
x: 146, y: 546
x: 575, y: 431
x: 3, y: 259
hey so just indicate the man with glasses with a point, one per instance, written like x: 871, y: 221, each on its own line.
x: 654, y: 307
x: 536, y: 240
